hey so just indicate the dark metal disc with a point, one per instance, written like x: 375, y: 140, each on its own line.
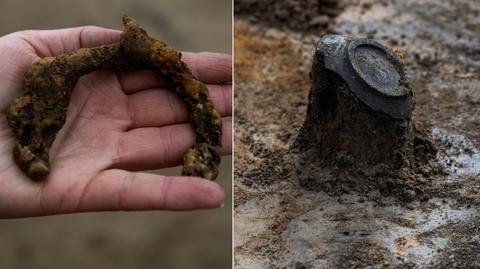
x: 377, y: 66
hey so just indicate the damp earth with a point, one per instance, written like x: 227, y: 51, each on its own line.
x: 291, y: 215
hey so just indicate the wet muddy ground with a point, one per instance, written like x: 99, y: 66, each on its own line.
x: 283, y: 220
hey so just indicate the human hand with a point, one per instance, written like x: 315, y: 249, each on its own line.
x: 117, y: 123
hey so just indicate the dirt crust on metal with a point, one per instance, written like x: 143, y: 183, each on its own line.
x: 40, y: 112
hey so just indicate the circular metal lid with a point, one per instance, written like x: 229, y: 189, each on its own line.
x: 377, y: 66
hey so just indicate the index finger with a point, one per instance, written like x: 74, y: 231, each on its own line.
x: 208, y: 67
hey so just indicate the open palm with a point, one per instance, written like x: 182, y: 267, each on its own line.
x: 117, y: 123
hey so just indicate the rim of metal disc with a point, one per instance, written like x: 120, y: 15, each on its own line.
x: 389, y: 56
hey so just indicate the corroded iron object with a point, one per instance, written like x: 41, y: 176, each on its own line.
x: 40, y: 112
x: 360, y: 103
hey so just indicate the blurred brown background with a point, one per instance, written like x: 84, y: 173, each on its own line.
x: 200, y: 239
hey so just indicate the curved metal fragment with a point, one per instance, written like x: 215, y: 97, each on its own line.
x: 40, y: 112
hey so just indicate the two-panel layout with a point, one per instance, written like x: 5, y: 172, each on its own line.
x: 319, y: 133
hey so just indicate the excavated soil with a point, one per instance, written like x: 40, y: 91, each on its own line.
x: 289, y: 214
x: 125, y: 240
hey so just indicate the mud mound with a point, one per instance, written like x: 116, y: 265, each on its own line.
x: 410, y: 182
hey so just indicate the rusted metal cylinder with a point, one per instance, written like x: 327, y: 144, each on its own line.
x: 359, y: 106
